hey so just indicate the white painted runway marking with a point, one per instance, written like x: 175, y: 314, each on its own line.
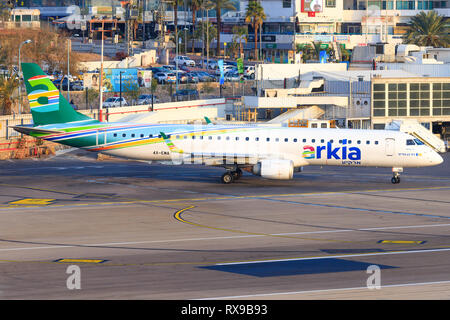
x: 335, y: 256
x: 326, y: 290
x: 221, y: 238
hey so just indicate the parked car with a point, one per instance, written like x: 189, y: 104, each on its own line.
x: 186, y: 94
x: 165, y: 77
x: 184, y: 61
x: 226, y: 68
x: 192, y: 77
x: 158, y: 69
x: 181, y: 75
x: 147, y: 99
x: 77, y: 85
x: 249, y: 71
x: 169, y: 67
x: 212, y: 64
x: 204, y: 76
x: 115, y: 102
x: 232, y: 76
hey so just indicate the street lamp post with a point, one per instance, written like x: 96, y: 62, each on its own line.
x: 100, y: 112
x: 176, y: 66
x: 20, y: 72
x: 120, y: 85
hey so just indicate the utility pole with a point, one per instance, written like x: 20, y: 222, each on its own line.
x: 68, y: 69
x: 100, y: 111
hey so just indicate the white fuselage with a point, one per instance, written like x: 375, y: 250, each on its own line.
x: 250, y: 144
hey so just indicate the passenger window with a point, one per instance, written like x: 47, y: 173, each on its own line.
x: 132, y: 135
x: 418, y: 142
x: 304, y: 140
x: 286, y: 140
x: 358, y: 142
x: 247, y: 138
x: 124, y: 135
x: 115, y: 135
x: 313, y: 140
x: 410, y: 142
x: 349, y: 141
x: 376, y: 142
x: 150, y: 136
x: 142, y: 135
x: 178, y: 137
x: 237, y: 138
x: 367, y: 142
x: 276, y: 139
x: 256, y: 139
x: 267, y: 139
x: 331, y: 141
x: 219, y: 137
x: 295, y: 139
x: 322, y: 141
x: 210, y: 137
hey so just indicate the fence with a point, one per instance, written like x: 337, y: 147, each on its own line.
x: 115, y: 114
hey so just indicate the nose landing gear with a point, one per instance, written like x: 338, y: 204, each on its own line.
x: 396, y: 175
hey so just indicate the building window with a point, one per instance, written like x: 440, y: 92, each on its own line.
x: 425, y: 5
x: 379, y: 100
x: 397, y: 101
x: 405, y: 5
x: 286, y: 3
x: 441, y: 99
x: 330, y: 3
x: 419, y: 99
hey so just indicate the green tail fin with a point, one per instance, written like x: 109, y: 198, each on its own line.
x: 47, y: 104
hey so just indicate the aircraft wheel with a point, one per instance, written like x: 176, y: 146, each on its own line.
x: 237, y: 174
x: 227, y: 178
x: 395, y: 180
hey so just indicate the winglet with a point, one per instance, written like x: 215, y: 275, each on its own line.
x: 208, y: 121
x: 170, y: 144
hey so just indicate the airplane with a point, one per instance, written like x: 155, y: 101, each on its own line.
x: 266, y: 151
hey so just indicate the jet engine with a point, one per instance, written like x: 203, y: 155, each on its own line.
x: 274, y: 169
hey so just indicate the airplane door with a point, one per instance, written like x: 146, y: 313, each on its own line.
x: 101, y: 137
x: 390, y: 146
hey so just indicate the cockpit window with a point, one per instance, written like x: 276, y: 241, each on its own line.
x: 418, y: 142
x: 410, y: 142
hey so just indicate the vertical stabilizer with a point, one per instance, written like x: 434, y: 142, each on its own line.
x: 47, y: 104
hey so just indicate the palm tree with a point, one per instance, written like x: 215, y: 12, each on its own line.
x: 240, y: 33
x: 428, y: 29
x: 195, y: 5
x: 219, y: 5
x: 8, y: 87
x: 255, y: 16
x: 175, y: 4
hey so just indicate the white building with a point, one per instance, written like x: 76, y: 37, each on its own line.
x: 349, y: 22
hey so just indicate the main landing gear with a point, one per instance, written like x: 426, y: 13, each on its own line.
x: 396, y: 175
x: 231, y: 176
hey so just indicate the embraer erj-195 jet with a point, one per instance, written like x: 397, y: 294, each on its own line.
x: 271, y: 152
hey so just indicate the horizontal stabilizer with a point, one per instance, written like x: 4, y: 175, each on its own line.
x: 31, y: 130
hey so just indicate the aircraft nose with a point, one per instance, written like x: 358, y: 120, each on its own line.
x: 437, y: 159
